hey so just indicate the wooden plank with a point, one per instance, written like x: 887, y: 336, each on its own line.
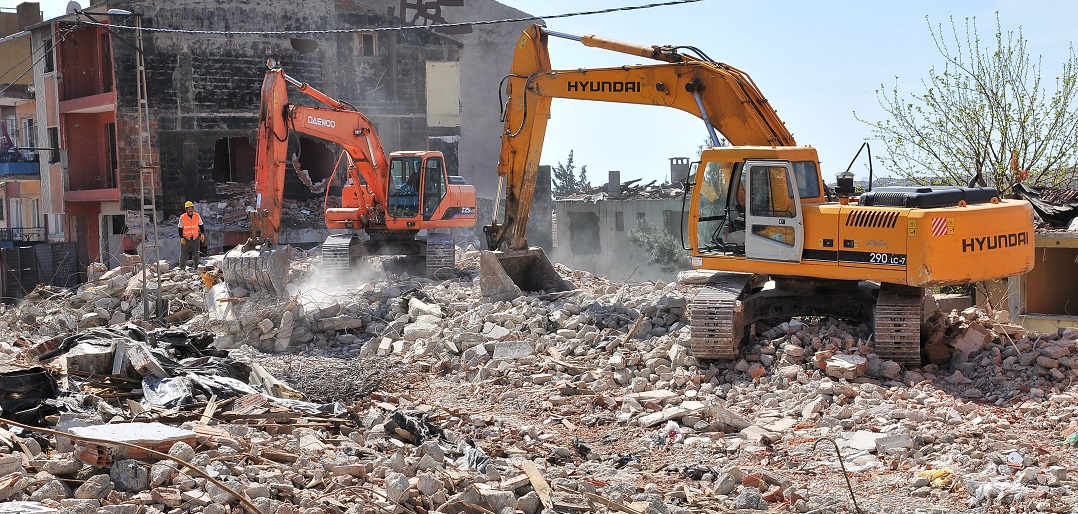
x: 211, y: 408
x: 542, y: 488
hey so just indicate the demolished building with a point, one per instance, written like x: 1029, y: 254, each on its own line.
x: 593, y: 227
x: 203, y: 66
x: 1046, y: 298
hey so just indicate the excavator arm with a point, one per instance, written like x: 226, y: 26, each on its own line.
x: 725, y: 98
x: 367, y: 169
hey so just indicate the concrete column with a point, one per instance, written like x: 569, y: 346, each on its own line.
x: 613, y: 184
x: 679, y: 169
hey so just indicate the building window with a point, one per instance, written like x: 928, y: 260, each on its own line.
x: 16, y: 213
x: 1, y: 211
x: 672, y: 222
x: 619, y: 221
x: 26, y: 138
x: 49, y: 64
x: 640, y: 216
x: 106, y: 63
x: 584, y: 233
x: 110, y: 140
x: 56, y: 227
x: 366, y: 43
x: 35, y: 212
x: 54, y: 143
x: 233, y: 160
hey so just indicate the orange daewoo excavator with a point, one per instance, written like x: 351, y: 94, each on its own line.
x: 759, y: 212
x: 404, y: 205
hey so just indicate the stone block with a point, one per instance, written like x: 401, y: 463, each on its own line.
x: 88, y: 357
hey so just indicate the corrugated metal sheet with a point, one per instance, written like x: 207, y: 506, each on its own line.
x: 1053, y: 195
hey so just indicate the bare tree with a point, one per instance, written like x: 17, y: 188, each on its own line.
x: 987, y: 106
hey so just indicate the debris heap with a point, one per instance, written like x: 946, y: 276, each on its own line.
x: 395, y: 393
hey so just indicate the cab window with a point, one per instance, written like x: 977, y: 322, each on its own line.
x: 808, y: 179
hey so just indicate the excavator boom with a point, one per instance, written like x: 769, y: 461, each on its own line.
x: 725, y: 98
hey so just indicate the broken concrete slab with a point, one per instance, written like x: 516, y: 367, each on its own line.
x: 894, y: 441
x: 513, y: 350
x: 24, y: 507
x: 425, y: 325
x: 758, y: 435
x: 656, y: 395
x: 848, y: 366
x: 494, y: 332
x: 337, y: 324
x: 974, y: 339
x: 864, y: 440
x: 728, y: 417
x: 417, y: 307
x: 156, y: 436
x: 672, y: 412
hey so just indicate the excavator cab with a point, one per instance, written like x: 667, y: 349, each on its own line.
x: 404, y: 175
x: 417, y: 184
x: 750, y: 206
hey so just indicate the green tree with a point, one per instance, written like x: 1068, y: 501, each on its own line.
x: 582, y: 183
x: 564, y: 178
x: 663, y: 249
x: 987, y: 104
x: 707, y: 144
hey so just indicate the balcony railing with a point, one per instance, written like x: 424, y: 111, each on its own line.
x: 22, y: 234
x: 18, y: 162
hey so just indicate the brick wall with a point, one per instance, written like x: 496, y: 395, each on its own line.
x: 202, y: 88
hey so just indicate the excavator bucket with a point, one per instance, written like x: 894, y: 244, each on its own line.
x: 507, y: 275
x: 258, y: 268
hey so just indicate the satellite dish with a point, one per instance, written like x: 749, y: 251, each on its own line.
x: 73, y: 6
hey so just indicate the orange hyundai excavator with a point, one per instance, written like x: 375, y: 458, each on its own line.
x: 404, y: 205
x: 759, y: 212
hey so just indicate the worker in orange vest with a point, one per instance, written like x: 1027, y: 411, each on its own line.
x: 192, y: 235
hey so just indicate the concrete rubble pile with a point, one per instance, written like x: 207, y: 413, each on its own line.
x: 230, y: 213
x: 112, y: 299
x: 403, y: 394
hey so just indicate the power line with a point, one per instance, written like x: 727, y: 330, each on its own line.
x: 406, y: 27
x: 44, y: 54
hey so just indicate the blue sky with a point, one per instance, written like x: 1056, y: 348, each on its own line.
x: 816, y: 62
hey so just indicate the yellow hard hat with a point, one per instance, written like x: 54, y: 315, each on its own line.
x: 188, y: 204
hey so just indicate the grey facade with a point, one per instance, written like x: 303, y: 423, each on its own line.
x: 486, y: 55
x: 203, y: 89
x: 594, y: 235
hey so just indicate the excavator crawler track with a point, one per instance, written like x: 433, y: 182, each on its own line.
x: 716, y: 317
x: 897, y: 320
x: 336, y: 254
x: 441, y: 256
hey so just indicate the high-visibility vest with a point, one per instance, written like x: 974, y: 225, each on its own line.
x: 190, y: 225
